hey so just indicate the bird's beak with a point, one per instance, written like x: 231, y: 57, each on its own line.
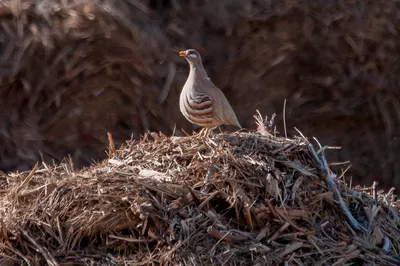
x: 182, y: 53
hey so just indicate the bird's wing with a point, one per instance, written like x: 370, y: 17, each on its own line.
x: 200, y: 102
x: 222, y: 109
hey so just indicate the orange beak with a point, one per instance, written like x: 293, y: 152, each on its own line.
x: 182, y: 53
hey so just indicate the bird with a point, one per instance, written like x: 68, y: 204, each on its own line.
x: 201, y: 102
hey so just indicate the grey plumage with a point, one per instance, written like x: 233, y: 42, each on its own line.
x: 201, y: 102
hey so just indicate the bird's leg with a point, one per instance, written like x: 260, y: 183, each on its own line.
x: 206, y: 132
x: 200, y: 134
x: 210, y: 130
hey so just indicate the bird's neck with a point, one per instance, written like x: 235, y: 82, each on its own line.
x: 197, y: 71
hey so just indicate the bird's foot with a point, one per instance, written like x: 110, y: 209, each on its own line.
x: 200, y: 134
x: 205, y: 132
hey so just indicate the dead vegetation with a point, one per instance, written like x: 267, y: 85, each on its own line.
x: 229, y: 199
x: 71, y: 71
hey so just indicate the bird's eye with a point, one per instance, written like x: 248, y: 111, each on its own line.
x: 193, y: 55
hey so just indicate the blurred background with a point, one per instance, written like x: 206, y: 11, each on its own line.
x: 71, y: 71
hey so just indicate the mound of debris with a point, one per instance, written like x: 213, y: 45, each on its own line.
x: 71, y: 71
x: 244, y: 198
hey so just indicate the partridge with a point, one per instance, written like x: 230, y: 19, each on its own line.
x: 201, y: 102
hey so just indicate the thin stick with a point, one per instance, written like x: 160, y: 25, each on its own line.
x: 167, y: 85
x: 174, y: 130
x: 323, y: 167
x: 111, y: 142
x: 284, y: 118
x: 27, y: 179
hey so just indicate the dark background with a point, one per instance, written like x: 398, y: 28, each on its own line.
x: 71, y: 72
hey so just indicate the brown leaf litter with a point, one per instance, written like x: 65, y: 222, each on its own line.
x: 244, y: 198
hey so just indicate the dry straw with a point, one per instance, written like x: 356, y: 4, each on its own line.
x: 71, y: 71
x: 229, y: 199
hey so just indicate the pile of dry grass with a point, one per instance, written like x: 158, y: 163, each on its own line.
x: 229, y: 199
x: 73, y: 70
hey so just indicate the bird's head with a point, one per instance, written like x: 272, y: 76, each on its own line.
x: 191, y: 55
